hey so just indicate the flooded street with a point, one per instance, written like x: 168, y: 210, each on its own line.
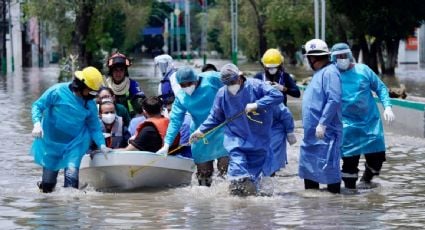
x: 397, y: 203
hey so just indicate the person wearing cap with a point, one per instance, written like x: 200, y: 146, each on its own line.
x: 244, y: 106
x: 196, y: 97
x: 321, y: 116
x: 363, y: 133
x: 65, y: 122
x: 275, y: 75
x: 119, y: 81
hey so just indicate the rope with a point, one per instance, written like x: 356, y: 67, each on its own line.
x: 132, y: 172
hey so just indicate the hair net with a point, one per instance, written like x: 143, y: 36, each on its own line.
x: 229, y: 72
x: 186, y: 74
x: 341, y: 48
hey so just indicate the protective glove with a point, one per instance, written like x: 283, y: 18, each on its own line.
x: 389, y: 115
x: 195, y: 136
x: 37, y: 131
x: 104, y: 149
x: 291, y: 138
x: 251, y: 107
x: 320, y: 131
x: 164, y: 150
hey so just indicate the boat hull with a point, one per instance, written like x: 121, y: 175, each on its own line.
x: 134, y: 170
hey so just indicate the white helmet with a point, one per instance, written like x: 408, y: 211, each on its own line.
x: 316, y: 47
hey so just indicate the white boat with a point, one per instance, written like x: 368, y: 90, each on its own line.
x: 134, y: 170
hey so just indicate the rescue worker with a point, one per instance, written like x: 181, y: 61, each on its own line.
x: 363, y: 133
x: 168, y: 84
x: 243, y: 106
x: 196, y: 97
x: 274, y: 74
x: 321, y: 117
x: 115, y: 132
x: 65, y: 121
x: 282, y: 130
x: 119, y: 81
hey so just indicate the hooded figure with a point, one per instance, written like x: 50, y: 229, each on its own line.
x: 363, y: 132
x: 196, y: 97
x: 244, y: 107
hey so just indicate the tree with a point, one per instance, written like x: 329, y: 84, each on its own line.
x: 379, y: 25
x: 86, y: 27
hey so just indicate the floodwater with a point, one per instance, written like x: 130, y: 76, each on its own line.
x: 397, y: 203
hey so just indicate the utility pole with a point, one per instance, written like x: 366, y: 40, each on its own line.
x: 3, y: 28
x: 12, y: 61
x: 234, y: 22
x: 177, y: 13
x: 317, y: 19
x: 204, y: 31
x: 187, y: 29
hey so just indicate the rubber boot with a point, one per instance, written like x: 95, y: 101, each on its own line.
x: 222, y: 165
x: 334, y: 188
x: 242, y: 187
x: 46, y: 187
x: 204, y: 181
x: 350, y: 183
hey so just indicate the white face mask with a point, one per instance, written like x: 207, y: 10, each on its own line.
x: 108, y: 118
x: 272, y: 71
x: 233, y: 89
x: 343, y: 64
x: 189, y: 90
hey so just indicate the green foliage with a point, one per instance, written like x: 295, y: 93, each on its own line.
x: 114, y: 24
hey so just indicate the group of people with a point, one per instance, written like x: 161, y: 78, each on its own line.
x: 242, y: 123
x: 341, y: 119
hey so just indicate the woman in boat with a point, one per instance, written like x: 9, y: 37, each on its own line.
x: 107, y: 93
x: 65, y: 121
x: 246, y: 137
x: 196, y: 98
x: 115, y: 132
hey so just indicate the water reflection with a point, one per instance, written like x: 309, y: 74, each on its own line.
x: 397, y: 203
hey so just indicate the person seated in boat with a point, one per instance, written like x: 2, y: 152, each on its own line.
x: 150, y: 134
x: 282, y: 130
x: 139, y: 117
x: 363, y: 133
x: 243, y: 106
x: 196, y: 97
x: 106, y: 92
x: 115, y: 132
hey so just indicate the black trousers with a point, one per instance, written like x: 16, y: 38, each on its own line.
x: 350, y: 169
x: 333, y: 188
x: 205, y: 170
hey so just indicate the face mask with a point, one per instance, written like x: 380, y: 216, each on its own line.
x: 189, y: 90
x: 108, y: 118
x: 343, y: 64
x: 233, y: 89
x: 272, y: 71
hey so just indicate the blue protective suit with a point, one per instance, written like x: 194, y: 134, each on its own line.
x: 283, y: 123
x: 198, y: 105
x: 363, y: 132
x: 321, y: 103
x: 69, y: 124
x: 246, y: 140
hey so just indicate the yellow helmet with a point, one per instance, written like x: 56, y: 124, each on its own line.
x: 272, y: 58
x: 91, y: 77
